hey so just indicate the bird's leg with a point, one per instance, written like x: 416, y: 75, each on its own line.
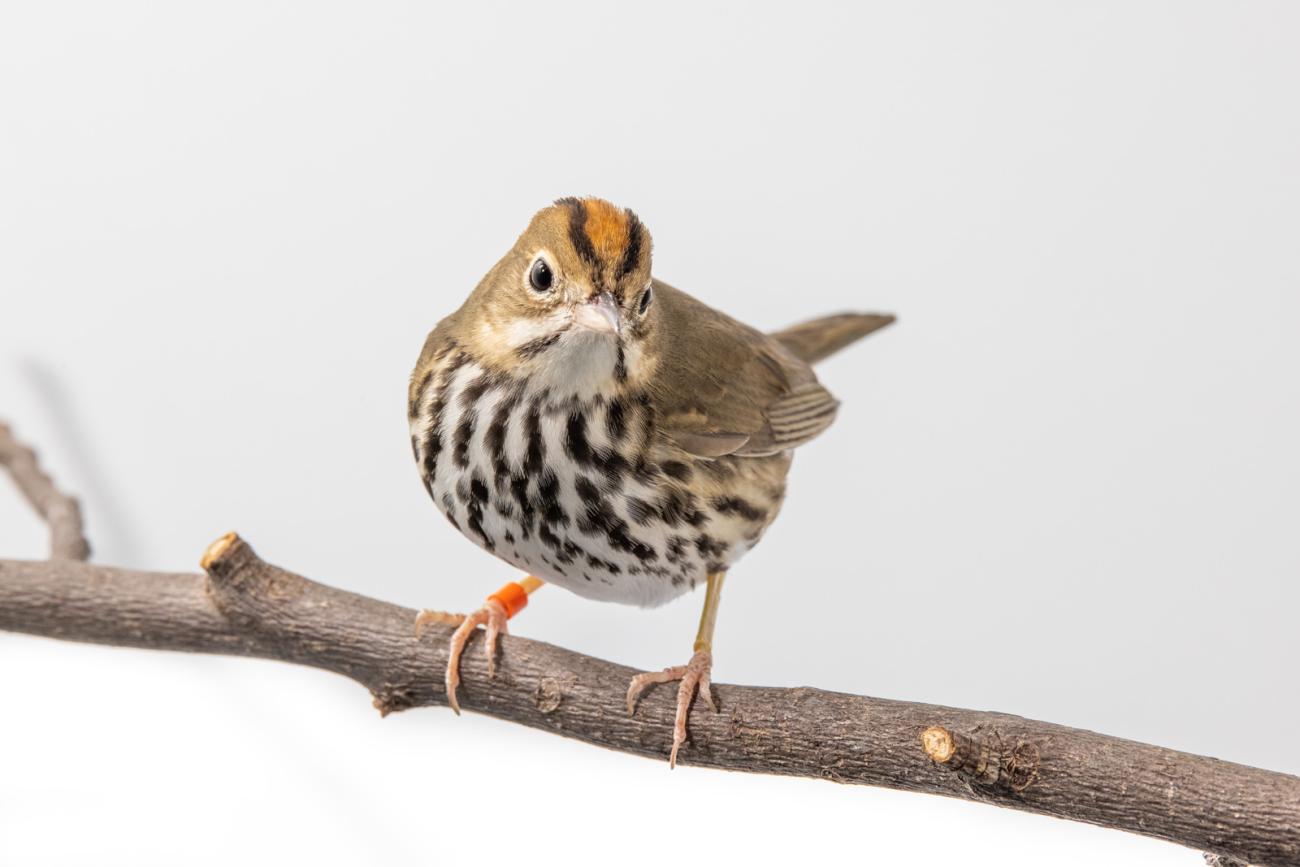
x: 496, y: 610
x: 693, y: 675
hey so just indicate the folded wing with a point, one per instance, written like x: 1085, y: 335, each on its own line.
x: 724, y: 388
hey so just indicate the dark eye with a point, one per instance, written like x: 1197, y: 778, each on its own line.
x: 540, y: 277
x: 646, y: 297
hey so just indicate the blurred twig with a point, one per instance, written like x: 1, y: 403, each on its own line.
x: 61, y: 512
x: 241, y: 605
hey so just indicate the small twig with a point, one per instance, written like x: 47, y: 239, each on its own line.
x: 60, y: 511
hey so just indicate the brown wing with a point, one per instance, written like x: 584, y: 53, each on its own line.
x: 725, y: 388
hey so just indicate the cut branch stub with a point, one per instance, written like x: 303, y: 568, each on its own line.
x: 984, y: 758
x: 244, y: 587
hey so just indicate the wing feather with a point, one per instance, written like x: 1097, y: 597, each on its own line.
x: 725, y: 388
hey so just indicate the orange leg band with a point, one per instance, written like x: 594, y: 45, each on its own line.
x: 513, y: 598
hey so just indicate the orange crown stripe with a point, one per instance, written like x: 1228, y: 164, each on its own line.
x: 606, y: 226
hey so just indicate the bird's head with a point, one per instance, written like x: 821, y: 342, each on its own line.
x: 572, y: 302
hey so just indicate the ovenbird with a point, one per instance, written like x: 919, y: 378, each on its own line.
x: 600, y: 430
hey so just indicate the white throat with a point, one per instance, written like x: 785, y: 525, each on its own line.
x: 581, y: 364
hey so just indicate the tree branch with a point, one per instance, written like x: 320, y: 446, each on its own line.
x: 61, y: 512
x: 244, y: 606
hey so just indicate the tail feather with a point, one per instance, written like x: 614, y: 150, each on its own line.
x: 812, y: 341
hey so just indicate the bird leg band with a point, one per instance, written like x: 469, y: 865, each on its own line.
x: 513, y: 596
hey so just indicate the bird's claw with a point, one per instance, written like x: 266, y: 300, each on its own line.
x: 694, y: 676
x: 492, y: 615
x: 444, y: 618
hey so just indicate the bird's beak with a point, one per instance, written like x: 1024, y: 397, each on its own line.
x: 600, y: 314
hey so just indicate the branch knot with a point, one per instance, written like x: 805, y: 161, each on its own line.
x: 984, y: 758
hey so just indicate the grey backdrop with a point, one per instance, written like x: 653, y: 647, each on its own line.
x: 1065, y: 485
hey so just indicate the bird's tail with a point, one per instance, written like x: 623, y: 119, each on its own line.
x: 814, y: 340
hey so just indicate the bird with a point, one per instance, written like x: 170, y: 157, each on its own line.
x: 603, y: 431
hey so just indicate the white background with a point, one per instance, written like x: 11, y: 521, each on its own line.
x: 1065, y: 485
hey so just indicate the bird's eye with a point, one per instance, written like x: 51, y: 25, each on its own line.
x: 646, y: 298
x: 540, y: 277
